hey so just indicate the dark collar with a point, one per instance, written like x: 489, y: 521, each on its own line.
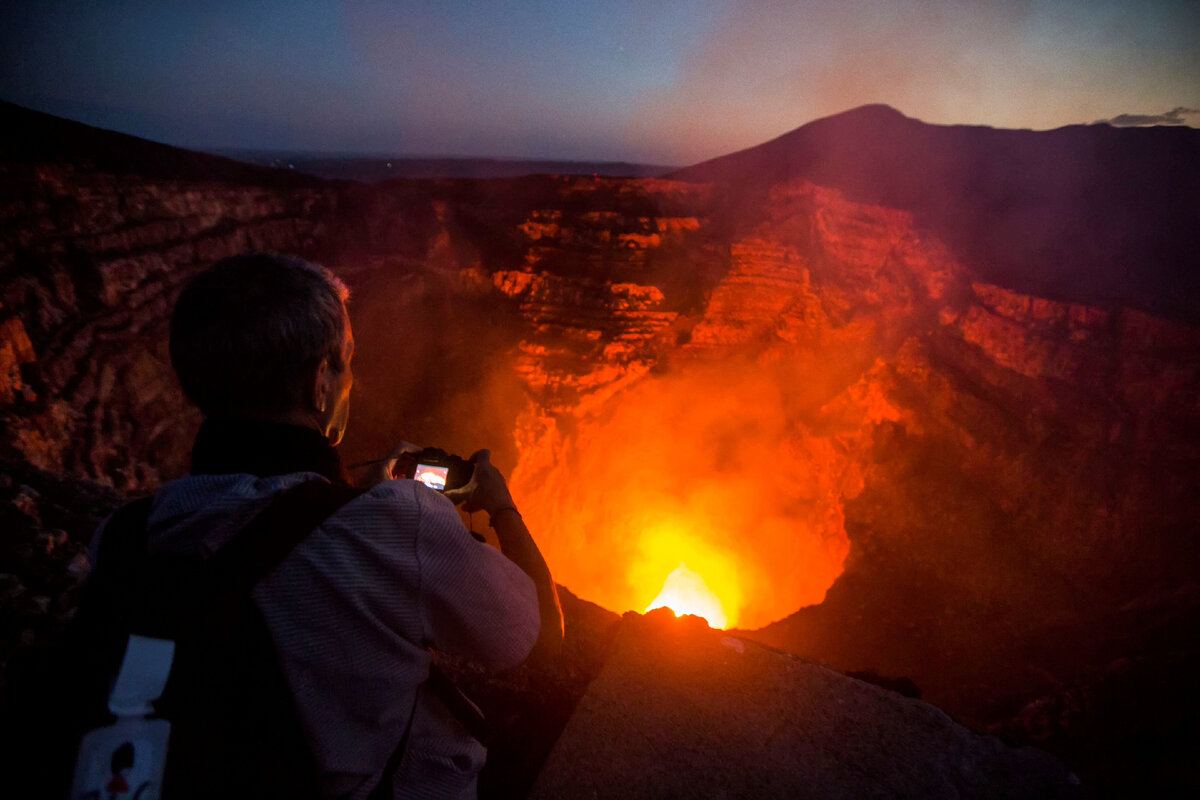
x: 263, y: 448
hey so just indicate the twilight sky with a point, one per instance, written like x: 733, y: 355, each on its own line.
x: 655, y: 81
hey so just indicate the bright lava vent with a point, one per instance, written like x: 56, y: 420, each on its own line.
x: 685, y: 592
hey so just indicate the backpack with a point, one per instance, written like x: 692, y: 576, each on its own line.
x: 234, y: 729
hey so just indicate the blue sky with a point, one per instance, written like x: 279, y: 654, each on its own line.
x: 660, y: 81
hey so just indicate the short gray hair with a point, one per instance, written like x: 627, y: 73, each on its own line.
x: 248, y: 333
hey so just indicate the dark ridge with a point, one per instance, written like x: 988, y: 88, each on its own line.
x: 31, y: 137
x: 1085, y: 213
x: 377, y: 168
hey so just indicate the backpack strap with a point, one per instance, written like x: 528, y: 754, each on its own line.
x: 254, y: 551
x: 141, y: 582
x: 123, y: 538
x: 257, y: 549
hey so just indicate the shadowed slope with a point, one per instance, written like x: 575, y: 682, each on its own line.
x: 31, y: 137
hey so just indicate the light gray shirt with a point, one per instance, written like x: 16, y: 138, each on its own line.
x: 351, y: 610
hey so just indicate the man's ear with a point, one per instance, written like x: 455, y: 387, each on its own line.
x: 320, y: 391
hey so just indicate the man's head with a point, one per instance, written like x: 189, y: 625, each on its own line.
x: 265, y: 336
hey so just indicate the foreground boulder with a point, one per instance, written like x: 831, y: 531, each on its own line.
x: 681, y: 710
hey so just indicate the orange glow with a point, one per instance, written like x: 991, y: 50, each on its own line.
x: 711, y: 466
x: 685, y: 592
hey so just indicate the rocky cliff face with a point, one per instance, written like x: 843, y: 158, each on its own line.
x: 717, y: 449
x: 822, y: 403
x: 92, y: 262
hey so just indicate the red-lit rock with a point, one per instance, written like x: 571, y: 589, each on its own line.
x: 15, y: 350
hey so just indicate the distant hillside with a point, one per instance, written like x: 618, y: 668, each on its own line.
x: 1087, y: 212
x: 376, y: 168
x: 31, y: 137
x: 28, y: 136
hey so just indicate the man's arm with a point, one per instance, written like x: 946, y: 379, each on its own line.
x: 488, y: 491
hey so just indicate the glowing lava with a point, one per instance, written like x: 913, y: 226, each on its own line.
x: 685, y: 592
x: 710, y: 466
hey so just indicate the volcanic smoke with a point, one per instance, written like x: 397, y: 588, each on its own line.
x: 709, y: 468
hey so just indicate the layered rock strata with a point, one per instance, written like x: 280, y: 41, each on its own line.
x: 91, y: 263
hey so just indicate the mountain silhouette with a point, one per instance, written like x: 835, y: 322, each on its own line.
x: 1084, y: 213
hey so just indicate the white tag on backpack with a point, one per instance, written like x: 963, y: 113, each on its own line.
x: 142, y: 677
x: 124, y: 760
x: 128, y: 758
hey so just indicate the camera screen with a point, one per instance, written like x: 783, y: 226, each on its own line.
x: 433, y: 477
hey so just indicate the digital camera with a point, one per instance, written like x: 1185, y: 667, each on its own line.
x: 437, y: 469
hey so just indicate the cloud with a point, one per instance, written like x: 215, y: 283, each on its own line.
x: 767, y: 67
x: 1173, y: 117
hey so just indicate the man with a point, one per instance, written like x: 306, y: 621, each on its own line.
x: 262, y: 345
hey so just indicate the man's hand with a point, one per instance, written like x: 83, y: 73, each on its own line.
x: 487, y: 489
x: 381, y: 471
